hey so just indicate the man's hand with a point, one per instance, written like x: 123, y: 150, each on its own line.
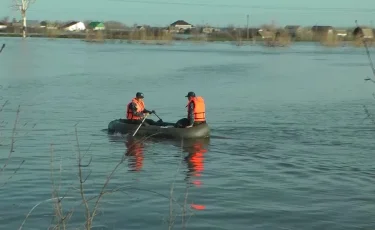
x: 153, y: 111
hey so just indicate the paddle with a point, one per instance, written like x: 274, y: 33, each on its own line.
x: 158, y: 116
x: 140, y: 125
x: 2, y: 47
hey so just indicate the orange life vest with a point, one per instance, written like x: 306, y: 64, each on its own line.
x: 199, y: 109
x: 140, y: 107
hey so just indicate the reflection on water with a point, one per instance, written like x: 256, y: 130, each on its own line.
x: 134, y: 152
x: 196, y: 150
x: 194, y: 160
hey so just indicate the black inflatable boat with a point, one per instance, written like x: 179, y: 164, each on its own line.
x: 161, y: 129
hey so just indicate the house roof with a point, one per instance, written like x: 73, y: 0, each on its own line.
x: 321, y: 28
x: 96, y: 24
x: 69, y: 24
x: 180, y: 22
x: 292, y: 27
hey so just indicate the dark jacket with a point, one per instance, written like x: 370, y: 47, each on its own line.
x: 133, y: 108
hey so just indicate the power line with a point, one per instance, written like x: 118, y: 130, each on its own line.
x: 337, y: 9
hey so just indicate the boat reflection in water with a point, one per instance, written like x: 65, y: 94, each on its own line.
x: 194, y: 160
x: 196, y: 150
x: 135, y: 153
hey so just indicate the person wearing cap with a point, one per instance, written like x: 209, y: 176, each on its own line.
x: 136, y: 110
x: 196, y: 112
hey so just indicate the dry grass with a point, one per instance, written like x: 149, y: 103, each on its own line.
x: 360, y: 43
x: 275, y: 37
x: 365, y: 43
x: 95, y: 36
x: 11, y: 148
x: 142, y: 36
x: 91, y: 204
x: 151, y: 37
x: 52, y: 34
x: 331, y: 41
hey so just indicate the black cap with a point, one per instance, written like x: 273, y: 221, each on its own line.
x: 139, y: 95
x: 190, y: 94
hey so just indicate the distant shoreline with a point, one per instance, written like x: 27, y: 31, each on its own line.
x: 269, y: 35
x: 103, y: 36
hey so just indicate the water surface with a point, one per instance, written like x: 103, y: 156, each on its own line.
x: 291, y: 148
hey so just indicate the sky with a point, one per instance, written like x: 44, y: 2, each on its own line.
x: 213, y: 12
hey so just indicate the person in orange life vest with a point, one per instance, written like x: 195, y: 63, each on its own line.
x: 136, y: 111
x: 196, y: 110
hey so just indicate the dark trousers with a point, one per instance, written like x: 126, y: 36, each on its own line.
x: 182, y: 123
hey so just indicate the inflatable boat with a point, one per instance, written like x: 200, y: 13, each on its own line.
x: 160, y: 129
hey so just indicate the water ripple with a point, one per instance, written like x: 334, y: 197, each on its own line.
x: 290, y: 147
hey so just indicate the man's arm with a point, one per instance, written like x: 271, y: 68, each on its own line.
x: 191, y: 114
x: 133, y: 108
x: 147, y: 111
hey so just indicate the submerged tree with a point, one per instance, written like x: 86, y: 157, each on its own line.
x: 23, y: 6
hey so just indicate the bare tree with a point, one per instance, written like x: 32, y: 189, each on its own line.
x: 6, y: 19
x: 23, y: 6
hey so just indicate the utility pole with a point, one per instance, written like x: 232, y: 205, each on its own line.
x: 247, y: 28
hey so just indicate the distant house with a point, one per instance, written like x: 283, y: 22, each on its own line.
x: 322, y: 32
x: 3, y: 25
x: 140, y: 27
x: 266, y: 34
x: 341, y: 33
x: 293, y: 30
x: 362, y: 32
x: 96, y: 26
x: 208, y: 30
x: 43, y: 24
x: 181, y: 25
x: 74, y: 26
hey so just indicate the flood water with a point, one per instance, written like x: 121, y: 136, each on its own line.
x: 291, y: 147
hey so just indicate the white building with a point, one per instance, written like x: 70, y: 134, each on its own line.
x: 181, y: 24
x: 74, y: 26
x: 2, y: 26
